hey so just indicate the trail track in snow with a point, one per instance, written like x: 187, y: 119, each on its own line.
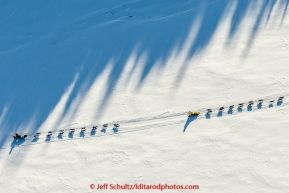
x: 143, y: 123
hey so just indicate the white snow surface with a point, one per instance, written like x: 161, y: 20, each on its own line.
x: 149, y: 95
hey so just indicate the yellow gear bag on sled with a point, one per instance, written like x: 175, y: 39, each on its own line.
x: 193, y: 113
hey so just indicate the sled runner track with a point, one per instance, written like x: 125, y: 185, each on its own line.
x: 122, y: 130
x: 215, y: 110
x: 166, y: 115
x: 157, y: 121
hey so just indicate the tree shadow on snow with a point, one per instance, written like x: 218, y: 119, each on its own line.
x: 47, y: 58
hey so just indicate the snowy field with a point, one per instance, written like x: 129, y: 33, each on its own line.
x: 144, y: 65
